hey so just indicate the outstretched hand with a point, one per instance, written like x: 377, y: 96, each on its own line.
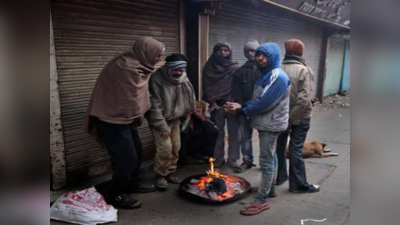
x: 231, y: 107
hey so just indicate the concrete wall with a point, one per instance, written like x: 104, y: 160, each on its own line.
x: 345, y: 85
x: 335, y: 66
x: 57, y: 150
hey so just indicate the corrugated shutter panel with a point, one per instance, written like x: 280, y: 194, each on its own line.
x: 88, y: 33
x: 335, y: 66
x: 238, y: 24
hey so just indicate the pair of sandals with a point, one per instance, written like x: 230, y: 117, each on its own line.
x: 162, y: 182
x: 254, y: 208
x: 243, y: 168
x: 258, y: 207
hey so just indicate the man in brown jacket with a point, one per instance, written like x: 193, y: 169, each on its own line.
x: 301, y: 77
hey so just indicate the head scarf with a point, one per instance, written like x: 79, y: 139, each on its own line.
x: 121, y: 91
x: 173, y: 65
x: 223, y: 44
x: 217, y: 75
x: 176, y: 65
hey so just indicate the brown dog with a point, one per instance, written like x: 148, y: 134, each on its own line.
x: 313, y: 149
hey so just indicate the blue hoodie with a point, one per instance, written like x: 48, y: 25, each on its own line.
x: 269, y: 108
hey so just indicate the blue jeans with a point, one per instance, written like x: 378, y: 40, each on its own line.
x: 246, y: 139
x: 268, y: 164
x: 297, y: 170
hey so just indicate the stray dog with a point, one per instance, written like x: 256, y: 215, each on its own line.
x: 313, y: 149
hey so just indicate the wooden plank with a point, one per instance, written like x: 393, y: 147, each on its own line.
x: 182, y: 26
x: 204, y: 25
x: 57, y: 148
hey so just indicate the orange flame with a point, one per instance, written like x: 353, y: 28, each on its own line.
x: 212, y: 172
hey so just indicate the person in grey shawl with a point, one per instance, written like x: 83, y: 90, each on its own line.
x: 172, y: 98
x: 217, y: 89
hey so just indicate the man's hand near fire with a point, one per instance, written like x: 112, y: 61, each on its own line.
x: 231, y: 107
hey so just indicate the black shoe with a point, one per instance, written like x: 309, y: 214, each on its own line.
x: 124, y: 201
x: 144, y: 188
x: 312, y: 188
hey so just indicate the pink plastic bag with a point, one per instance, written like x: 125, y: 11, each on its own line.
x: 86, y: 207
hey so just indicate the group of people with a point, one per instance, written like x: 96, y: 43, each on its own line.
x: 262, y: 94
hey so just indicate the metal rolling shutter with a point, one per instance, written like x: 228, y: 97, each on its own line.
x: 88, y: 33
x: 238, y: 24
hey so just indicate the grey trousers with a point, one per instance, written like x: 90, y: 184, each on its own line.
x: 219, y: 116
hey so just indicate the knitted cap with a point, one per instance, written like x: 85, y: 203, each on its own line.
x: 294, y: 47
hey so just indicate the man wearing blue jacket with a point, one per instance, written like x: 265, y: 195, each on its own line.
x: 269, y: 114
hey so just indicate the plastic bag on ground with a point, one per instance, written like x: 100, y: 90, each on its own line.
x: 86, y: 207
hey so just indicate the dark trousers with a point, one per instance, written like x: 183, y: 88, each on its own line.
x: 125, y: 149
x: 219, y: 116
x: 190, y: 145
x: 297, y: 168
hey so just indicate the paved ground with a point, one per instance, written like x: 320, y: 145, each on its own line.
x: 331, y: 124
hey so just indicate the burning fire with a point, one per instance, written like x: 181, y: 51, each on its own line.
x: 212, y: 172
x: 211, y: 175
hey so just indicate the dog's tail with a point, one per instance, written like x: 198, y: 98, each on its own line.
x: 330, y: 154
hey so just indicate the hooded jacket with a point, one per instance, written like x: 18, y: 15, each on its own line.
x: 170, y: 98
x: 269, y: 107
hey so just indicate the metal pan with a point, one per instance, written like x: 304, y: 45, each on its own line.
x: 245, y: 184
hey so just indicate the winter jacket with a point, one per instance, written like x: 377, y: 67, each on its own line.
x: 169, y: 100
x: 301, y: 78
x: 244, y: 80
x: 269, y: 108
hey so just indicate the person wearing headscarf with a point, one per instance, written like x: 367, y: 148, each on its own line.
x: 172, y: 98
x: 217, y: 89
x: 269, y: 114
x: 117, y: 106
x: 301, y: 77
x: 244, y: 80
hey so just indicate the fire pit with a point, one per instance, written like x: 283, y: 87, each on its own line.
x: 215, y: 187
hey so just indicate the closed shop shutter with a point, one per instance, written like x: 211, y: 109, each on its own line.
x: 238, y: 24
x: 88, y: 33
x: 335, y: 66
